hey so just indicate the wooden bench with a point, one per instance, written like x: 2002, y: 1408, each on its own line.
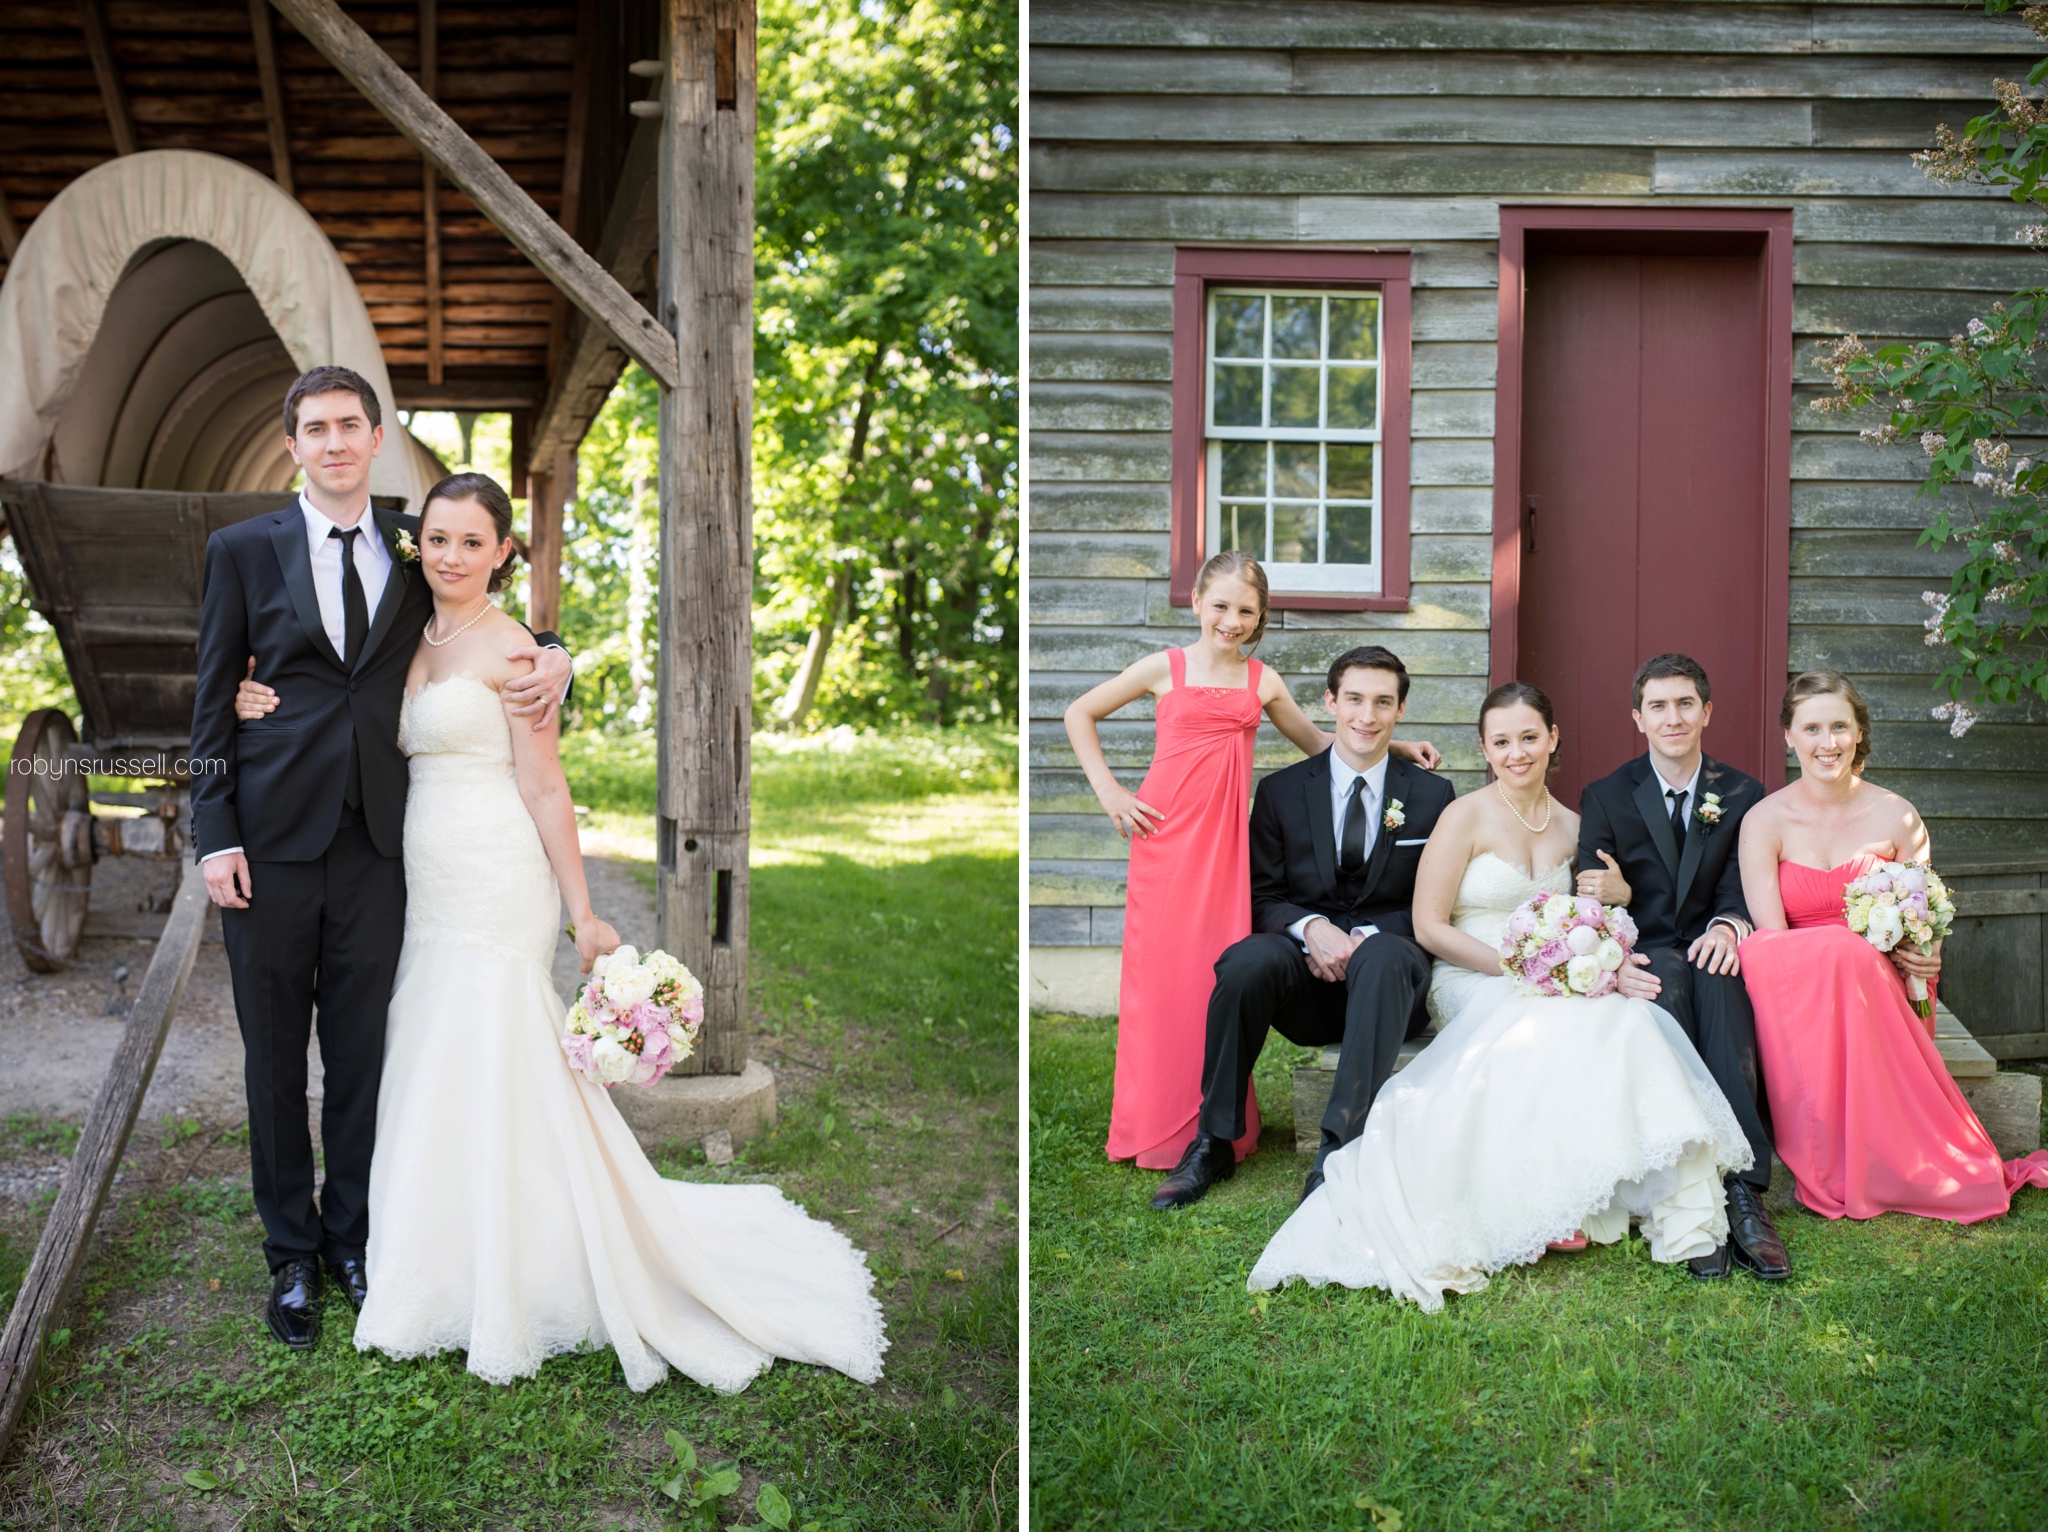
x: 2009, y: 1104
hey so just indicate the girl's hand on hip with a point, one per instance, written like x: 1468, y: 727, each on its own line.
x: 1129, y: 813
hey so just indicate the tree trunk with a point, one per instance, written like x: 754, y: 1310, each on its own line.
x: 803, y: 690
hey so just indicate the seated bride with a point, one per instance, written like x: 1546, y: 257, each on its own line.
x: 1531, y: 1121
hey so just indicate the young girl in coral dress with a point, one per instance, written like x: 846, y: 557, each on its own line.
x: 1864, y: 1111
x: 1188, y: 894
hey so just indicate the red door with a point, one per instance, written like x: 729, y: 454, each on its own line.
x: 1645, y: 517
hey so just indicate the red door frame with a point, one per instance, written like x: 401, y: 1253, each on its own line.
x: 1773, y: 561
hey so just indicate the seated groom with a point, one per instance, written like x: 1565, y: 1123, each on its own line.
x: 1659, y: 836
x: 1332, y: 957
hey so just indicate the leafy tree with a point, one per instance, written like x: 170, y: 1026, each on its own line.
x: 885, y: 436
x: 1973, y: 404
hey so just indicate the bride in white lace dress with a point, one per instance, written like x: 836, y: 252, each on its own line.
x: 1527, y: 1121
x: 512, y: 1214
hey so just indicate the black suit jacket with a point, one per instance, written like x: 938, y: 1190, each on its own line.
x: 1294, y: 849
x: 1678, y: 889
x: 279, y: 796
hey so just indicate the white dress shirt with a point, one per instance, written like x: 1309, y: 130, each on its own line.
x: 1369, y: 804
x: 373, y: 568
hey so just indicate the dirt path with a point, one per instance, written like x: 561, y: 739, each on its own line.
x: 58, y: 1030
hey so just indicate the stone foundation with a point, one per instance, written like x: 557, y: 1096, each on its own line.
x: 689, y: 1108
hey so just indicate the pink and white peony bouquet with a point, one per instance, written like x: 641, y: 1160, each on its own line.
x: 1901, y: 901
x: 637, y: 1018
x: 1566, y: 944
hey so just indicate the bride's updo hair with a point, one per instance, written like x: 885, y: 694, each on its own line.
x: 488, y: 493
x: 1238, y: 565
x: 1521, y: 694
x: 1830, y: 683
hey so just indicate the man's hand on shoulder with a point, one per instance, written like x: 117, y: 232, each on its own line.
x: 539, y: 692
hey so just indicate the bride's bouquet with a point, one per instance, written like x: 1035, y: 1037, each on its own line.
x: 637, y: 1018
x: 1566, y: 944
x: 1900, y: 901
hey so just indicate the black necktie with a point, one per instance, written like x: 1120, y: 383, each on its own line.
x: 355, y: 611
x: 1677, y: 797
x: 1352, y: 855
x: 355, y: 627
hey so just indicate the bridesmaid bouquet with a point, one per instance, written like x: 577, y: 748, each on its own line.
x: 1566, y: 944
x: 637, y: 1018
x: 1900, y: 901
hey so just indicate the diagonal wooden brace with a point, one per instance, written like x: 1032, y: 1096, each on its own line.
x: 497, y: 196
x: 61, y: 1251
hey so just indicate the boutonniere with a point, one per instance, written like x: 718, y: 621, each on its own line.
x: 1709, y: 811
x: 1393, y: 819
x: 407, y: 550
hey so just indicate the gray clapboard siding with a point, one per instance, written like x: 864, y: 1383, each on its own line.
x: 1644, y: 28
x: 1879, y: 603
x: 1907, y: 699
x: 1437, y: 508
x: 1101, y: 407
x: 1791, y: 172
x: 1861, y: 506
x: 1098, y: 455
x: 1098, y: 556
x: 1067, y: 215
x: 1917, y: 216
x: 1455, y: 364
x: 1976, y: 794
x: 1947, y: 270
x: 1878, y: 554
x: 1101, y: 508
x: 1096, y: 602
x: 1451, y: 462
x: 1437, y: 601
x: 1451, y: 412
x: 1122, y: 309
x: 1832, y: 456
x: 1100, y: 358
x: 1289, y: 650
x: 1138, y: 263
x: 1887, y: 312
x: 1209, y: 168
x: 1928, y: 746
x: 1378, y: 72
x: 1756, y: 121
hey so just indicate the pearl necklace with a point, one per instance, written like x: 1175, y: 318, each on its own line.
x: 428, y: 631
x: 1549, y: 807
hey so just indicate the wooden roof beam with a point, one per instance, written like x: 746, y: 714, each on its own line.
x: 539, y: 238
x: 102, y: 52
x: 263, y: 30
x: 430, y: 86
x: 10, y: 231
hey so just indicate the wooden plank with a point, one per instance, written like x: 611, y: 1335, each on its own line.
x: 463, y: 161
x: 1396, y: 220
x: 574, y: 152
x: 1058, y: 215
x: 1907, y: 699
x: 1451, y: 462
x: 112, y: 97
x: 1101, y: 407
x: 1725, y: 123
x: 1495, y: 74
x: 1098, y: 357
x: 10, y: 232
x: 262, y: 32
x: 1451, y: 412
x: 1100, y: 508
x: 1921, y: 216
x: 2001, y: 901
x: 1426, y: 653
x: 1130, y: 456
x: 1853, y: 506
x: 430, y: 81
x: 1947, y: 270
x: 1282, y: 165
x: 1795, y: 172
x: 1095, y: 602
x: 1453, y: 364
x: 1885, y: 313
x: 2016, y: 1045
x: 1873, y: 554
x: 1443, y: 508
x: 1097, y: 556
x: 706, y: 669
x: 61, y: 1251
x: 1081, y: 310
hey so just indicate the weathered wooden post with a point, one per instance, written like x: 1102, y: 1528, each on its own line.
x: 705, y: 679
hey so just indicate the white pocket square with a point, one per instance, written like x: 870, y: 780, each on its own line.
x: 1423, y: 842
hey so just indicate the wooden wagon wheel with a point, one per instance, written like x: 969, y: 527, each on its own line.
x: 48, y: 843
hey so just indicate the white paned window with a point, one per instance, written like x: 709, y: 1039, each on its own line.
x: 1292, y: 411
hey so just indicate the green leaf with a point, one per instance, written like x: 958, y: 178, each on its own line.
x: 59, y: 1339
x: 772, y: 1506
x: 673, y: 1488
x: 720, y: 1484
x: 686, y: 1455
x: 200, y: 1479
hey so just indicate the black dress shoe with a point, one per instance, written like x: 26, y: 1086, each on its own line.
x: 353, y: 1278
x: 1754, y: 1242
x: 1315, y: 1179
x: 1712, y: 1267
x: 1207, y: 1161
x: 293, y: 1312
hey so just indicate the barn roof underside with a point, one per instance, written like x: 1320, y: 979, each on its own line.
x: 189, y: 77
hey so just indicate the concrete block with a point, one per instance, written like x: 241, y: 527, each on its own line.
x: 1079, y: 980
x: 689, y: 1108
x: 2009, y: 1106
x: 718, y: 1147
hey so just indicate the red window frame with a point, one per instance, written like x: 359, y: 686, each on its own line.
x: 1196, y: 268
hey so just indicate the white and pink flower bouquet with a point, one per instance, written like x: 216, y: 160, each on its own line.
x: 1901, y: 901
x: 637, y: 1018
x: 1566, y: 944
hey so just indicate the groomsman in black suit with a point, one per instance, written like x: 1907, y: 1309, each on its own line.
x: 1332, y: 957
x: 1659, y: 836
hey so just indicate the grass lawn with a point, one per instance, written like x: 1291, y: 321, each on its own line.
x: 1898, y: 1379
x: 884, y: 986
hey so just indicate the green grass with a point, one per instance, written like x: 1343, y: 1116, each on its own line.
x: 1899, y: 1379
x: 884, y: 988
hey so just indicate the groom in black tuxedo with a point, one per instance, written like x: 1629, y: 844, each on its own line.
x: 1332, y: 958
x: 1659, y: 836
x: 297, y: 827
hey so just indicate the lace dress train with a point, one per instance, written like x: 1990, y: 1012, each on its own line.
x: 1525, y: 1119
x: 512, y: 1213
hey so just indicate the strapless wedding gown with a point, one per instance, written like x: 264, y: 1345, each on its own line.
x: 1525, y: 1118
x: 512, y: 1214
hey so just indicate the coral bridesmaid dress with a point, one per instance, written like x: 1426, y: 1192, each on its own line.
x: 1189, y: 896
x: 1862, y: 1107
